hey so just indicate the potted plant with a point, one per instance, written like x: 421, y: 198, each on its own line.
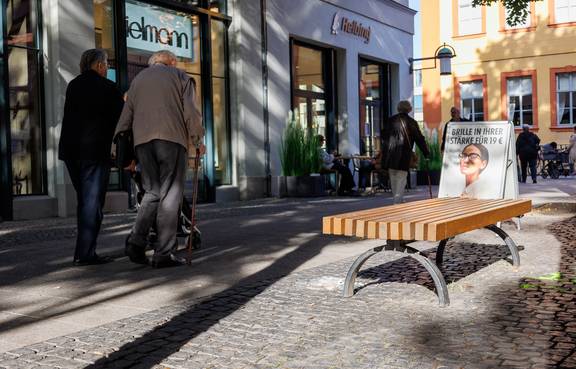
x: 301, y: 162
x: 433, y: 166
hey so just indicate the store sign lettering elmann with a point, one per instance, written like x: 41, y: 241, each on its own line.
x: 152, y: 30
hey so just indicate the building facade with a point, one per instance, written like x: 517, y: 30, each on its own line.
x: 337, y: 65
x: 524, y: 74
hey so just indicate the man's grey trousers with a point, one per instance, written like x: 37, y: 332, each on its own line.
x: 163, y: 166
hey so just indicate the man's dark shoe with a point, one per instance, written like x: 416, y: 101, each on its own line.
x: 534, y: 181
x: 96, y: 260
x: 135, y: 253
x: 166, y: 261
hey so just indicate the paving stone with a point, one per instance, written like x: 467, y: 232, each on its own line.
x: 292, y: 323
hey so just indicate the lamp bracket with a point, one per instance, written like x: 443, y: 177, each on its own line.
x: 436, y: 56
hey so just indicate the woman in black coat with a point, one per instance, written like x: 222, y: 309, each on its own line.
x: 398, y: 137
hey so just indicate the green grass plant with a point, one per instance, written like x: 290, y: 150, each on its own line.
x: 299, y: 149
x: 435, y: 160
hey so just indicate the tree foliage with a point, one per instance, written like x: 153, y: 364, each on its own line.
x: 518, y: 10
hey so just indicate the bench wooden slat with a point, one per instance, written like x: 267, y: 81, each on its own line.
x: 343, y: 224
x: 368, y: 227
x: 334, y: 224
x: 421, y: 225
x: 357, y: 226
x: 405, y: 228
x: 431, y: 220
x: 451, y: 227
x: 388, y: 228
x: 409, y: 226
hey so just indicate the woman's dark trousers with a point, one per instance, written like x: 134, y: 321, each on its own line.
x: 90, y: 180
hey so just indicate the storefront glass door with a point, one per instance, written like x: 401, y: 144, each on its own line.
x: 312, y: 91
x: 148, y: 28
x: 374, y: 105
x: 22, y: 138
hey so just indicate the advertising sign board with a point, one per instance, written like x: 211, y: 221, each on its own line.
x: 479, y: 161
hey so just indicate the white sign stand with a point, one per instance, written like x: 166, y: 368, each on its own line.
x: 511, y: 190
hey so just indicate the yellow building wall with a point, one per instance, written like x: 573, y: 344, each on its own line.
x: 431, y: 97
x: 495, y: 52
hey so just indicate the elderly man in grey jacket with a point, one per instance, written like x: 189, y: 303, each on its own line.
x: 162, y: 112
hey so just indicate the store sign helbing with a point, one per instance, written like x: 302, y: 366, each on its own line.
x: 351, y: 27
x: 152, y: 30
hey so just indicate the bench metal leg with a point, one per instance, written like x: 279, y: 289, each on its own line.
x: 509, y: 242
x: 399, y: 246
x: 353, y: 271
x: 440, y: 252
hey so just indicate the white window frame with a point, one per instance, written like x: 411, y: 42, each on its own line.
x: 571, y: 89
x: 565, y: 11
x: 466, y: 15
x: 521, y: 97
x: 472, y: 97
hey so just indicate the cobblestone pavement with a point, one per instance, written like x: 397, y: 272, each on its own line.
x: 498, y: 317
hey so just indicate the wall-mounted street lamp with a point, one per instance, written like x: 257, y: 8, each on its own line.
x: 444, y: 53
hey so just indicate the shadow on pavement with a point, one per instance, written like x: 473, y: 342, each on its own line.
x: 528, y: 324
x: 460, y: 260
x: 166, y: 339
x: 282, y: 235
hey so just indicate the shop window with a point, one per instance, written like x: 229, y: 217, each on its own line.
x: 469, y: 18
x: 564, y: 11
x: 222, y: 158
x: 103, y: 12
x: 566, y: 99
x: 104, y: 33
x: 23, y: 56
x: 373, y: 105
x: 308, y: 69
x: 472, y: 100
x: 311, y: 89
x: 217, y: 6
x: 520, y: 108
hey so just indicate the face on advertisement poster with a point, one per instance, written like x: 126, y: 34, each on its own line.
x: 474, y: 162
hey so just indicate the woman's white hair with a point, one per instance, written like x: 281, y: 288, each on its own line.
x: 162, y: 57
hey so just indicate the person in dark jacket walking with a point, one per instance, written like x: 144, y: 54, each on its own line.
x: 454, y: 117
x: 91, y: 111
x: 398, y: 137
x: 527, y: 146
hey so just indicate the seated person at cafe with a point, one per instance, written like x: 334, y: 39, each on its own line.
x: 366, y: 168
x: 331, y: 162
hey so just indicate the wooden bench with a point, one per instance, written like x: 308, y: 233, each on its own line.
x: 427, y: 220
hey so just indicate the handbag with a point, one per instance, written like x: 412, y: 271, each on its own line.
x: 124, y: 148
x: 413, y: 156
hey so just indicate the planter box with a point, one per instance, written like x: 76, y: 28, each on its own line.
x: 305, y: 186
x: 422, y: 177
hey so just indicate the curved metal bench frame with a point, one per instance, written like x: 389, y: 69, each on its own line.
x: 431, y: 267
